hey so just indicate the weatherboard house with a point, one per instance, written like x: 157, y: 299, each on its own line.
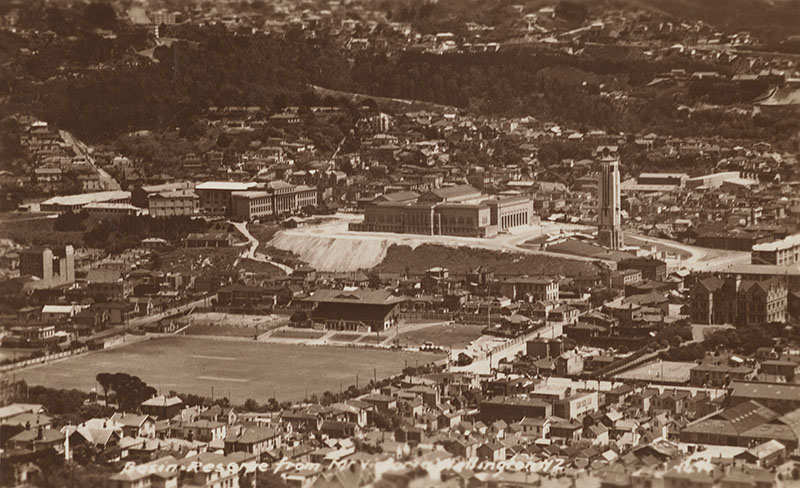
x: 354, y: 310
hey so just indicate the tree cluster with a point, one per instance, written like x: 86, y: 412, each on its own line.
x: 119, y: 234
x: 130, y: 391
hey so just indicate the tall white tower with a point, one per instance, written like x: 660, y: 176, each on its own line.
x: 609, y: 205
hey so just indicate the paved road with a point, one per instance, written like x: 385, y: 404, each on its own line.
x: 109, y: 183
x: 702, y: 259
x: 484, y: 366
x: 203, y: 302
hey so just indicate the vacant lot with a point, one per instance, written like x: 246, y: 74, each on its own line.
x: 673, y: 371
x: 455, y: 336
x: 462, y: 259
x: 237, y: 369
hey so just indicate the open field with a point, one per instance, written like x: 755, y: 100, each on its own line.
x: 238, y: 369
x: 670, y: 371
x: 455, y: 336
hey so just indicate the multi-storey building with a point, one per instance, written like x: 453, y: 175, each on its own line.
x: 141, y: 194
x: 171, y: 203
x: 735, y: 301
x: 457, y: 211
x: 277, y: 198
x: 511, y: 212
x: 53, y: 267
x: 216, y: 196
x: 784, y: 252
x: 248, y: 205
x: 761, y: 302
x: 537, y: 287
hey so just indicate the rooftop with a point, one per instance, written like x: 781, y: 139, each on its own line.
x: 783, y: 244
x: 85, y: 198
x: 360, y: 296
x: 764, y: 269
x: 775, y: 391
x: 226, y: 185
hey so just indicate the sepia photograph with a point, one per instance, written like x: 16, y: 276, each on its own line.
x: 399, y: 243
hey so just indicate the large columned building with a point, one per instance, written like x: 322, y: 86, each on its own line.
x: 609, y: 205
x: 454, y: 211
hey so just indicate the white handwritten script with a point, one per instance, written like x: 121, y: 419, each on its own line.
x: 552, y: 466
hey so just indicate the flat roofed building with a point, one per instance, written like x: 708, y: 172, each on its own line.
x: 511, y: 212
x: 718, y: 375
x: 514, y: 409
x: 141, y: 194
x: 53, y: 266
x: 215, y: 196
x: 278, y: 197
x: 173, y: 202
x: 288, y: 198
x: 455, y: 212
x: 784, y: 252
x: 400, y: 196
x: 462, y: 220
x: 714, y: 180
x: 248, y: 205
x: 452, y: 194
x: 670, y: 179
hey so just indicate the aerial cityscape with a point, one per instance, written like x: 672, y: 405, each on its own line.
x: 400, y: 243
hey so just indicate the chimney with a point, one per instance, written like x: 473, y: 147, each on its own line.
x: 39, y: 433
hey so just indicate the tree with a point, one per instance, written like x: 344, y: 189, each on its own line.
x: 131, y: 390
x: 374, y: 279
x: 298, y: 317
x: 100, y: 15
x: 104, y: 380
x: 56, y: 401
x: 251, y: 405
x: 70, y: 221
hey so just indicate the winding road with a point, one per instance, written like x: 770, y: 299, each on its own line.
x: 252, y: 250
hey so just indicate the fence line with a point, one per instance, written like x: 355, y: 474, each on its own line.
x: 43, y: 359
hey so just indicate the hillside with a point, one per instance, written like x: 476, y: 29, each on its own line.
x: 463, y: 259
